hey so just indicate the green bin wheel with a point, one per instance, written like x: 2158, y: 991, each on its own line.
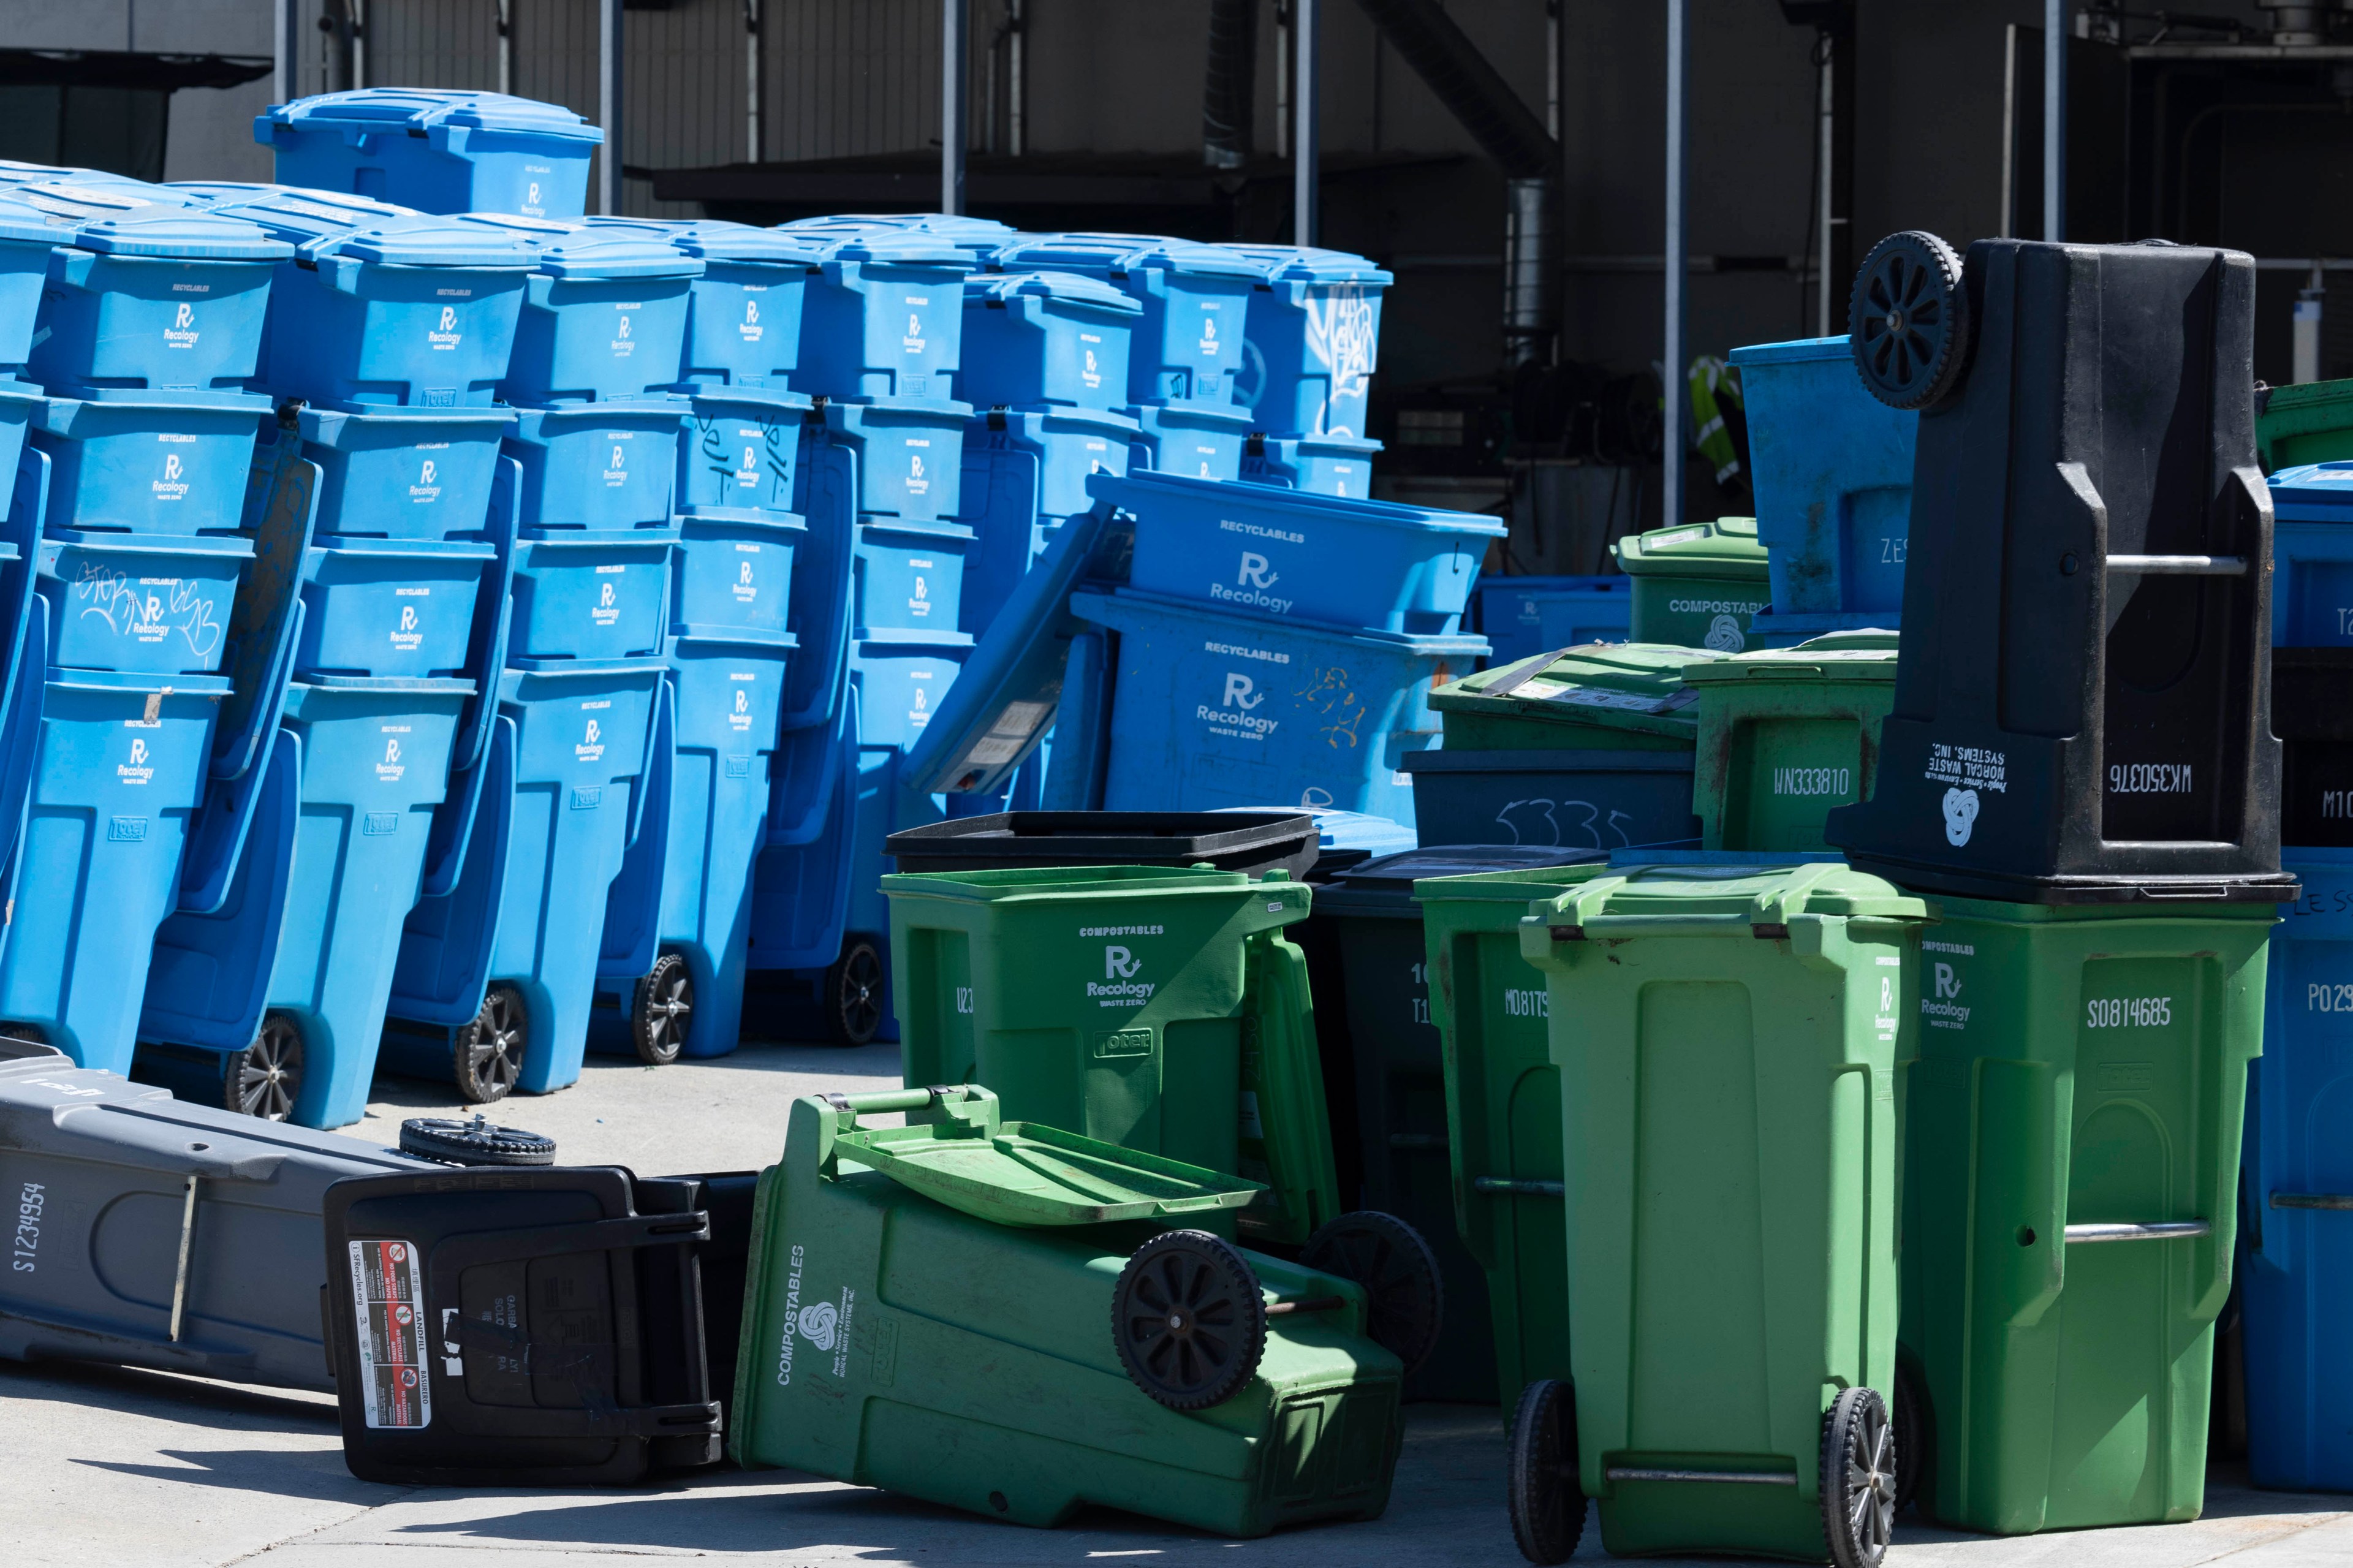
x: 488, y: 1054
x: 1911, y: 315
x: 853, y: 993
x: 475, y: 1142
x: 1405, y: 1300
x: 265, y: 1078
x: 662, y: 1012
x: 1188, y: 1318
x: 1858, y: 1462
x: 1548, y: 1502
x: 1913, y: 1454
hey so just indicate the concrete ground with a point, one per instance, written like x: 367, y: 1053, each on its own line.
x: 104, y: 1466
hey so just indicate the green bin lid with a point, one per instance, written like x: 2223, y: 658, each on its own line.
x: 1867, y: 654
x: 1387, y: 884
x: 1636, y: 687
x: 1516, y: 886
x: 1725, y: 547
x: 1750, y: 894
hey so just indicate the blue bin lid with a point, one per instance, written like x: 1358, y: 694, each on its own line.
x: 1070, y: 286
x: 2314, y: 492
x: 1797, y: 351
x: 375, y: 231
x: 582, y: 250
x: 906, y: 247
x: 1308, y: 264
x: 192, y: 234
x: 384, y: 108
x: 20, y: 222
x: 716, y: 240
x: 981, y: 237
x: 1123, y: 253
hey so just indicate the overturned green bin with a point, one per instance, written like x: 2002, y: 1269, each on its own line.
x: 997, y: 1316
x: 1730, y: 1042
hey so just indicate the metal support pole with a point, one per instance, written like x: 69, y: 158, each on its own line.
x: 752, y: 148
x: 608, y: 106
x: 1552, y: 67
x: 956, y: 19
x: 1017, y: 76
x: 1825, y: 174
x: 1282, y: 79
x: 2055, y: 120
x: 1674, y: 399
x: 287, y: 39
x: 359, y: 44
x: 1305, y: 148
x: 506, y: 46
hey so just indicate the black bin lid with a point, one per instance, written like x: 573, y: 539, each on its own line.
x: 1384, y: 887
x: 1250, y: 842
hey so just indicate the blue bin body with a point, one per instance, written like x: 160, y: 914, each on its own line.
x: 1211, y: 709
x: 1521, y: 616
x: 120, y: 767
x: 26, y: 240
x: 1323, y: 465
x: 2296, y: 1261
x: 1025, y: 471
x: 383, y: 608
x: 1197, y: 441
x: 1565, y: 799
x: 1315, y: 340
x: 151, y: 462
x: 140, y: 604
x: 404, y: 473
x: 731, y: 573
x: 740, y: 448
x: 909, y: 456
x: 1033, y: 338
x: 899, y: 678
x: 159, y: 297
x: 883, y: 317
x: 1188, y: 342
x: 744, y: 314
x: 1770, y: 629
x: 604, y: 313
x: 436, y: 151
x: 2312, y: 556
x: 595, y: 595
x: 21, y: 404
x: 1070, y: 447
x: 1289, y: 554
x: 909, y: 576
x: 1833, y: 467
x: 599, y: 464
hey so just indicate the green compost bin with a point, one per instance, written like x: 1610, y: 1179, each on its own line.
x: 1730, y: 1042
x: 2310, y: 422
x: 1503, y: 1108
x: 2071, y: 1194
x: 980, y: 1314
x: 1697, y: 584
x: 1157, y: 1008
x: 1618, y: 696
x: 1785, y: 734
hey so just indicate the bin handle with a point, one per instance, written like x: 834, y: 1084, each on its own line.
x: 2330, y: 1201
x: 2180, y: 565
x: 1519, y: 1186
x: 2161, y: 1230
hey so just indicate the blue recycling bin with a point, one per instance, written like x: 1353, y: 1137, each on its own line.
x: 21, y: 404
x: 909, y: 576
x: 1034, y: 338
x: 437, y: 152
x: 740, y: 448
x: 909, y: 454
x: 1833, y: 473
x: 978, y: 237
x: 2312, y: 556
x: 897, y: 679
x: 1294, y: 555
x: 26, y: 239
x: 156, y: 298
x: 883, y: 317
x: 139, y: 604
x: 1196, y: 440
x: 1024, y: 470
x: 1324, y: 464
x: 388, y: 608
x: 732, y: 572
x: 1187, y: 344
x: 1315, y: 340
x: 1560, y: 799
x: 404, y: 473
x: 603, y: 311
x: 149, y: 461
x: 599, y: 464
x: 1523, y: 617
x: 743, y: 313
x: 591, y: 594
x: 119, y: 769
x: 1210, y: 708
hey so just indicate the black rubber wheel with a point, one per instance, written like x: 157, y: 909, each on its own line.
x: 488, y: 1053
x: 663, y: 1011
x: 1859, y: 1464
x: 1913, y: 1452
x: 1405, y: 1297
x: 475, y: 1142
x: 1188, y: 1319
x: 1909, y: 320
x: 265, y: 1078
x: 1540, y: 1481
x: 853, y: 993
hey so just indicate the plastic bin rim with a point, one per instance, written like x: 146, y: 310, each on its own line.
x: 716, y: 519
x: 781, y: 399
x: 1321, y: 266
x: 1349, y: 445
x: 135, y: 543
x: 597, y: 538
x: 940, y: 528
x: 914, y: 641
x: 1765, y: 666
x: 62, y: 406
x: 377, y: 108
x: 360, y: 685
x: 887, y: 248
x: 716, y: 239
x: 647, y: 408
x: 1004, y: 416
x: 1061, y: 287
x: 177, y: 234
x: 1793, y: 350
x: 2002, y: 911
x: 1102, y: 608
x: 1182, y: 415
x: 473, y: 550
x: 1123, y: 253
x: 323, y: 423
x: 1654, y: 892
x: 1049, y: 884
x: 1271, y: 498
x: 585, y: 669
x: 933, y: 409
x: 213, y: 686
x: 748, y: 641
x: 1556, y: 760
x: 1255, y: 830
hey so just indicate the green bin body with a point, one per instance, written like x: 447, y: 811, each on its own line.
x: 2078, y: 1067
x: 1154, y: 1007
x: 1698, y: 583
x: 1610, y: 697
x: 1785, y: 734
x: 1729, y: 1040
x: 2308, y: 423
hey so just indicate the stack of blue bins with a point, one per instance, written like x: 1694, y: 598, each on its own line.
x: 877, y: 600
x: 150, y: 325
x: 1832, y: 472
x: 1314, y: 341
x: 495, y: 980
x: 436, y: 151
x: 678, y: 923
x: 365, y: 657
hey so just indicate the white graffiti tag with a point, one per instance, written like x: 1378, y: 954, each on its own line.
x: 150, y: 608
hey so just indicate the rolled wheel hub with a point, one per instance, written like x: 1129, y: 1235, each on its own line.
x: 488, y: 1054
x: 1405, y: 1299
x: 1859, y: 1462
x: 664, y: 1011
x: 1540, y: 1481
x: 266, y: 1078
x: 1911, y: 315
x: 475, y: 1142
x: 853, y: 988
x: 1188, y: 1319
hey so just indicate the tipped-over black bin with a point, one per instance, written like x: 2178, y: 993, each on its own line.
x: 2082, y: 703
x: 1250, y: 842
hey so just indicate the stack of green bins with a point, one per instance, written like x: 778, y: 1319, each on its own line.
x: 1698, y: 583
x: 1731, y: 1042
x: 1785, y: 734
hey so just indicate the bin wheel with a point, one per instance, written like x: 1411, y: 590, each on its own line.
x: 853, y: 994
x: 1405, y: 1298
x: 1912, y: 1448
x: 1188, y: 1319
x: 1540, y: 1481
x: 1859, y: 1464
x: 475, y: 1142
x: 663, y: 1012
x: 489, y: 1054
x: 266, y: 1078
x: 1911, y: 315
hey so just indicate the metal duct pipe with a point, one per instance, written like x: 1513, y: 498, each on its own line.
x: 1532, y: 270
x: 1230, y: 88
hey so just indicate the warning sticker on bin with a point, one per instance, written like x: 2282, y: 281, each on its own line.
x: 1630, y: 701
x: 388, y: 1312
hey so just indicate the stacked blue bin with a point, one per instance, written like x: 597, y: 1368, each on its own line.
x: 1313, y: 341
x: 979, y: 237
x: 150, y: 321
x: 496, y: 979
x: 1832, y: 468
x: 1523, y: 617
x: 386, y: 336
x: 436, y: 151
x: 677, y: 925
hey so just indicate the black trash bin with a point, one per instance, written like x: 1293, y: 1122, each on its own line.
x: 2082, y: 708
x: 2315, y: 724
